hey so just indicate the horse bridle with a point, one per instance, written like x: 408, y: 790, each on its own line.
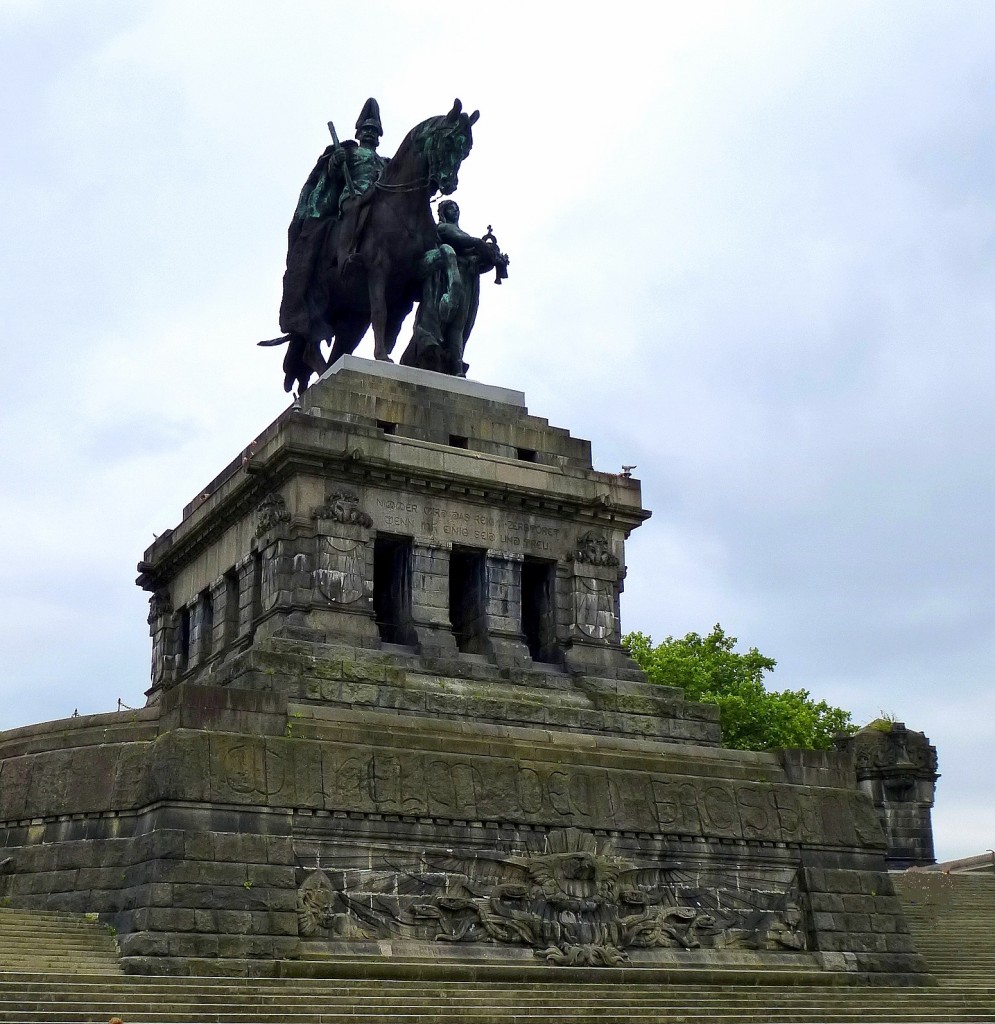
x: 408, y: 186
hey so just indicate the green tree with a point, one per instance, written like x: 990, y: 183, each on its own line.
x: 708, y: 669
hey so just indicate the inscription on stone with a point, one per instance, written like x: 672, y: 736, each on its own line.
x: 390, y: 781
x: 468, y: 524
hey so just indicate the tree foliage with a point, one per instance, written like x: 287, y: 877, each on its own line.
x: 708, y: 669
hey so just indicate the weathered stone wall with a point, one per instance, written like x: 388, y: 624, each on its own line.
x: 229, y: 824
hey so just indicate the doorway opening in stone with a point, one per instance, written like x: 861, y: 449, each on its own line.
x: 392, y: 588
x: 183, y: 651
x: 539, y: 608
x: 467, y: 582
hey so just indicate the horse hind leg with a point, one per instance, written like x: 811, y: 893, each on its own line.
x: 296, y: 368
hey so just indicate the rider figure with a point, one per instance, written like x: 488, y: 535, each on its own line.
x: 331, y: 194
x: 364, y: 162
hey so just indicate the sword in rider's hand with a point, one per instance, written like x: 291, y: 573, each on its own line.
x: 345, y: 163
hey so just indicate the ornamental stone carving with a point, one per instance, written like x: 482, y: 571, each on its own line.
x: 890, y: 745
x: 342, y: 507
x: 574, y: 902
x: 594, y: 607
x: 594, y: 549
x: 270, y: 512
x: 339, y: 574
x: 316, y: 911
x: 160, y: 605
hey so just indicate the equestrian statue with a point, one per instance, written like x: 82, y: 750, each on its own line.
x: 363, y: 248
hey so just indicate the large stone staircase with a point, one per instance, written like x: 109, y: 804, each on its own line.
x: 952, y: 919
x: 60, y: 968
x: 39, y: 942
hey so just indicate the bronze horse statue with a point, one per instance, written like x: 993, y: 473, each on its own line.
x: 378, y: 282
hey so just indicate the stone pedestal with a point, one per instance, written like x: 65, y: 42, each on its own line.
x: 896, y: 768
x: 390, y: 718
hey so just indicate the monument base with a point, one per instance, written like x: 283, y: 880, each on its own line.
x: 240, y: 830
x: 391, y: 722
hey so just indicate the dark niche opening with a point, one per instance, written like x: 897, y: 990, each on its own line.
x: 539, y: 608
x: 205, y: 625
x: 467, y: 582
x: 232, y: 597
x: 183, y: 640
x: 458, y: 441
x: 392, y: 588
x: 527, y: 454
x: 387, y: 426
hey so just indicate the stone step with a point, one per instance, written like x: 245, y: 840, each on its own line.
x: 331, y: 997
x: 887, y: 998
x: 688, y: 1016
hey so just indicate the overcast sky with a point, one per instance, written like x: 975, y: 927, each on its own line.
x: 753, y: 252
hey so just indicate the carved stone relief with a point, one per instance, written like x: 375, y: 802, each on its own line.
x: 339, y: 574
x: 270, y: 512
x: 575, y: 901
x: 594, y: 607
x: 594, y: 549
x: 343, y: 507
x: 160, y: 605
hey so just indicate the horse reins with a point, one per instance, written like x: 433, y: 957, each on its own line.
x: 408, y: 186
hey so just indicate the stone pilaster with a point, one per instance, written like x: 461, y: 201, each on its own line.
x: 340, y: 570
x: 430, y: 600
x: 248, y: 573
x: 503, y: 609
x: 163, y: 632
x: 221, y: 631
x: 592, y: 586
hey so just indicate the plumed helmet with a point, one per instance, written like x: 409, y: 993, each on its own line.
x: 369, y: 117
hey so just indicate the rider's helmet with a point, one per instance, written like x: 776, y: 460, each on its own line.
x: 369, y: 117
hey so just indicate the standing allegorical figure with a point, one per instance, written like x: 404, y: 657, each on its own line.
x: 451, y: 295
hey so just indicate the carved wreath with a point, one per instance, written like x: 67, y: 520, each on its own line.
x: 342, y: 508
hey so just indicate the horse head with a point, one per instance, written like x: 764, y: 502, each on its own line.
x: 445, y: 142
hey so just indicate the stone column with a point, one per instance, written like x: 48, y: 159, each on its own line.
x: 283, y: 576
x: 430, y: 600
x: 503, y: 609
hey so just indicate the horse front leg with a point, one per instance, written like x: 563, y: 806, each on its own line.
x: 382, y: 344
x: 348, y: 335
